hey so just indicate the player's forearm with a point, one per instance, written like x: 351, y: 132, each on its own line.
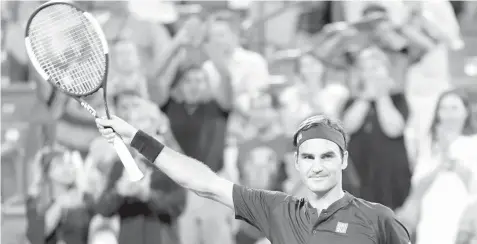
x: 185, y: 171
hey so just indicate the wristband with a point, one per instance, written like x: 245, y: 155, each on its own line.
x: 145, y: 144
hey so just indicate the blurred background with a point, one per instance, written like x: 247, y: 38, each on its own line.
x: 227, y: 82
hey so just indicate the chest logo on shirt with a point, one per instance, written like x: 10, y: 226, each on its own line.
x: 341, y: 228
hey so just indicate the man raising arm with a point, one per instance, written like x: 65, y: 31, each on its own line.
x: 250, y: 205
x: 185, y: 171
x: 327, y: 215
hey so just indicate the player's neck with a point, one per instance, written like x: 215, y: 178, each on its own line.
x: 322, y: 201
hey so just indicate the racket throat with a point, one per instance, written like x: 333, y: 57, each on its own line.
x: 88, y: 107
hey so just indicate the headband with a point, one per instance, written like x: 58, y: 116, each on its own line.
x: 321, y: 132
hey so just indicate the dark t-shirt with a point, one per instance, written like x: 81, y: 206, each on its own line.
x: 201, y: 132
x: 284, y: 219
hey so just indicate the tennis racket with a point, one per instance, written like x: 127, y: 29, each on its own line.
x: 67, y: 47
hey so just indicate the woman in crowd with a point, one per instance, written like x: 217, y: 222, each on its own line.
x: 443, y: 177
x: 375, y: 117
x: 148, y: 209
x: 58, y: 208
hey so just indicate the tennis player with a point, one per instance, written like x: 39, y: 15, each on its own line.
x: 328, y: 215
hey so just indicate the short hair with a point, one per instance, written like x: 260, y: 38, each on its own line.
x: 321, y: 120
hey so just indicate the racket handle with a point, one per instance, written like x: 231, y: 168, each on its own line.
x: 128, y: 161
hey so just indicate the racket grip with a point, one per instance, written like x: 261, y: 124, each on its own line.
x: 128, y: 161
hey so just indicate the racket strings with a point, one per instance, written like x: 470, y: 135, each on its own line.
x: 68, y: 48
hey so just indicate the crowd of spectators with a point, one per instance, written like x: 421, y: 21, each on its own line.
x: 203, y: 89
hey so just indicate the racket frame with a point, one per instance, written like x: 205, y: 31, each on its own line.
x: 120, y: 147
x: 46, y: 77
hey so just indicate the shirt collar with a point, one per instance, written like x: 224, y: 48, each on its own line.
x: 337, y: 205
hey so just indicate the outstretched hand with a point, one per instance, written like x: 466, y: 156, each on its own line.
x: 109, y: 127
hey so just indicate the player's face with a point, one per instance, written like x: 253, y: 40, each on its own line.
x: 320, y: 165
x: 452, y: 110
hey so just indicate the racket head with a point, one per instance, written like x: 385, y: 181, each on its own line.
x: 67, y: 47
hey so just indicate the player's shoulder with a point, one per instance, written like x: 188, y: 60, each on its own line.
x: 376, y: 212
x: 273, y: 198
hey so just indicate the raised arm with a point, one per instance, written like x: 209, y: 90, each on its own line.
x: 185, y: 171
x: 251, y: 205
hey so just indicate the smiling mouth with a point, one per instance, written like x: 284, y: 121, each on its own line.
x: 318, y: 177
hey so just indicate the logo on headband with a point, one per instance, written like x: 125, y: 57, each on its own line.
x: 298, y: 138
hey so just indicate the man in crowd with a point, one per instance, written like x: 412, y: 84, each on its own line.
x: 199, y: 115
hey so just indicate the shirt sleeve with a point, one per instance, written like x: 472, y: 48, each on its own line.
x: 256, y: 206
x: 391, y: 231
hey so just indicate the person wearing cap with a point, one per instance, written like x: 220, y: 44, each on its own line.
x: 327, y: 215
